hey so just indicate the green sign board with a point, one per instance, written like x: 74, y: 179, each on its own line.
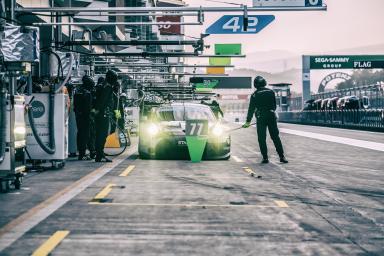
x: 207, y: 86
x: 219, y: 61
x: 227, y: 49
x: 347, y: 62
x: 223, y: 82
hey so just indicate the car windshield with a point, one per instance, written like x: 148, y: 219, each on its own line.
x: 185, y: 112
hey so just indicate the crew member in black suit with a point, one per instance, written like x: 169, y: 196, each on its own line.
x: 263, y: 105
x: 82, y: 108
x: 104, y: 108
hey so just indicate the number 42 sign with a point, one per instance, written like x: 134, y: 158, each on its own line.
x: 234, y: 24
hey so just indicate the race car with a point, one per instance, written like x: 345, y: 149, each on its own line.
x: 162, y: 135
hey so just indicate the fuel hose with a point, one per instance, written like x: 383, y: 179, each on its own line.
x: 51, y: 148
x: 127, y: 139
x: 238, y: 128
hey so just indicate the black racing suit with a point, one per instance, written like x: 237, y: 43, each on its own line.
x: 82, y: 107
x: 263, y: 104
x: 104, y: 108
x: 92, y: 127
x: 116, y: 106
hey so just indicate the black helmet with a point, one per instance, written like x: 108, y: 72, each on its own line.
x: 111, y: 76
x: 88, y: 82
x: 100, y: 80
x: 259, y: 82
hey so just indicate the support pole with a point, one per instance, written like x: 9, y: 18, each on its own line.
x: 169, y: 9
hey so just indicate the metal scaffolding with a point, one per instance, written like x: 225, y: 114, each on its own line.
x: 200, y: 9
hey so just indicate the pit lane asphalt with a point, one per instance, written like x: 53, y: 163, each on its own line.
x: 329, y: 200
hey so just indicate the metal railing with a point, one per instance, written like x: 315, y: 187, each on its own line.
x: 354, y: 119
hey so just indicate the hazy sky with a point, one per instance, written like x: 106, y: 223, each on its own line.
x: 346, y: 24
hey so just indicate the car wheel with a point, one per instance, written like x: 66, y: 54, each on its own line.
x: 144, y: 156
x: 227, y: 158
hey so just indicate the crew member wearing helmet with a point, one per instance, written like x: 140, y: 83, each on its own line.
x: 104, y: 107
x: 82, y: 107
x: 263, y: 105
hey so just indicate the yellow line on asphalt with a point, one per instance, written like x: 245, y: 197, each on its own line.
x: 103, y: 193
x: 48, y: 246
x: 249, y: 170
x: 127, y: 171
x: 252, y: 173
x: 186, y: 205
x: 237, y: 159
x: 14, y: 229
x: 281, y: 204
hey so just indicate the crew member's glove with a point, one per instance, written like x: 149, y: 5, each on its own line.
x: 247, y: 124
x: 117, y: 114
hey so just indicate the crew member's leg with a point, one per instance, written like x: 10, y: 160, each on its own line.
x: 101, y: 136
x: 274, y: 133
x: 92, y: 137
x: 262, y: 136
x: 81, y: 142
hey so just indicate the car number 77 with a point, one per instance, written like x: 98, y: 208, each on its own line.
x: 200, y: 129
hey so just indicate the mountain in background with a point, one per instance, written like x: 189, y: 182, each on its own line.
x: 292, y: 76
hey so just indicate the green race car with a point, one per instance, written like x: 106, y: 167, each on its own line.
x: 162, y: 135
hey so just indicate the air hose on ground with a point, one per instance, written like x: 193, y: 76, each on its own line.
x: 3, y: 113
x: 127, y: 139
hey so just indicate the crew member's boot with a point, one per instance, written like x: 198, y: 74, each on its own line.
x: 102, y: 158
x: 283, y: 160
x: 265, y: 160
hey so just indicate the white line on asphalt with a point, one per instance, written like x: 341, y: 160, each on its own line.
x: 336, y: 139
x: 238, y: 160
x: 325, y: 128
x: 19, y: 226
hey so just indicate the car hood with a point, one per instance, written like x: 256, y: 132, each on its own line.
x: 178, y: 127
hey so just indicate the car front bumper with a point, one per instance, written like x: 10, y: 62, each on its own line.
x: 175, y: 147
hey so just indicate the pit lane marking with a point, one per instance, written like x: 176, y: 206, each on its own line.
x: 281, y: 204
x: 19, y: 226
x: 48, y: 246
x: 336, y: 139
x: 275, y: 205
x: 103, y: 193
x: 237, y: 159
x: 251, y: 172
x: 127, y: 171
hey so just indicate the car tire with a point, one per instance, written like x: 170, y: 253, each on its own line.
x: 144, y: 156
x: 227, y: 157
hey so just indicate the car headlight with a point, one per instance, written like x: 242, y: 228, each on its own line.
x: 153, y: 129
x: 217, y: 130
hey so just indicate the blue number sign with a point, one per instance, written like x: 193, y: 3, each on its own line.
x: 234, y: 24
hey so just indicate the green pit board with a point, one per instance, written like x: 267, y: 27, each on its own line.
x: 219, y: 61
x: 227, y: 49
